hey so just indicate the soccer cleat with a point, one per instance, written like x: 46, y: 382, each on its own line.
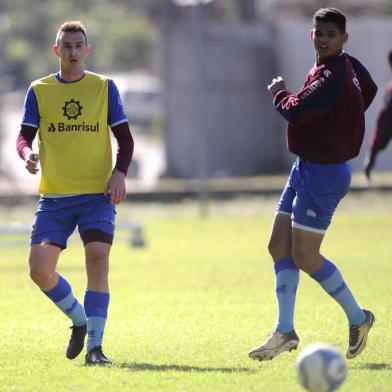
x: 358, y: 335
x: 276, y: 344
x: 97, y: 357
x: 76, y: 343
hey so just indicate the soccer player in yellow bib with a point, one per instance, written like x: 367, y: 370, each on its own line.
x: 72, y: 111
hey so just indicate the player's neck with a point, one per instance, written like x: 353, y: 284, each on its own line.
x: 322, y: 60
x: 71, y: 75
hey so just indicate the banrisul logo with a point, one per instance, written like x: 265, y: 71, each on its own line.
x: 82, y: 127
x: 72, y: 109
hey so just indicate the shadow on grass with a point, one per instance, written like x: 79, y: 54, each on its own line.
x: 149, y: 367
x: 373, y: 366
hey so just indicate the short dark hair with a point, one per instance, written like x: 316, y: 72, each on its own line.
x: 332, y: 15
x: 74, y: 26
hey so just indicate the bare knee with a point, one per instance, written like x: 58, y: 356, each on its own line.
x: 300, y: 258
x: 42, y: 262
x: 307, y: 260
x: 279, y: 245
x: 97, y: 265
x: 97, y: 260
x: 273, y: 248
x: 43, y: 278
x: 279, y: 249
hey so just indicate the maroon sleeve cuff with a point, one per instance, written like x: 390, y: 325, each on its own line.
x: 24, y: 140
x: 125, y: 143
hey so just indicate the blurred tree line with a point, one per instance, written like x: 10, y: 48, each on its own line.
x: 123, y: 33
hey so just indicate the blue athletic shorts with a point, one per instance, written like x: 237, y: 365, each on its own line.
x: 57, y: 218
x: 313, y: 192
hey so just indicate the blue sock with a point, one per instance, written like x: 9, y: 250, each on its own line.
x: 62, y: 296
x: 96, y: 305
x: 287, y: 279
x: 331, y: 280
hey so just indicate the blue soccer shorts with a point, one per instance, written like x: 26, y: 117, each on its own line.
x: 313, y: 192
x: 57, y: 218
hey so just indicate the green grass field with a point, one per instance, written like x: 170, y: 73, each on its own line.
x: 186, y: 309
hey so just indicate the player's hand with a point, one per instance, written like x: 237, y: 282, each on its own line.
x: 276, y: 85
x: 32, y: 160
x: 369, y: 162
x: 116, y: 187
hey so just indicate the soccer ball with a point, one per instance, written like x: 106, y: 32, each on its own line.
x: 321, y: 368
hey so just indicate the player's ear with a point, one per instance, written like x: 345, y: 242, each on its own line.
x: 311, y: 34
x: 56, y: 49
x: 345, y: 37
x: 88, y: 49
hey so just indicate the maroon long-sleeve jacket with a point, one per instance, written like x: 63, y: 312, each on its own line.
x: 326, y: 120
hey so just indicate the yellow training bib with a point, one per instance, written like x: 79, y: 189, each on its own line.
x: 74, y: 141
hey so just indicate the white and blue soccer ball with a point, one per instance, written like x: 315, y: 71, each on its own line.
x: 321, y: 368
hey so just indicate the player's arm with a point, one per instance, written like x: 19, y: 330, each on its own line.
x: 314, y: 100
x: 28, y: 131
x: 382, y: 134
x: 24, y: 148
x: 368, y: 86
x: 125, y: 145
x: 116, y: 185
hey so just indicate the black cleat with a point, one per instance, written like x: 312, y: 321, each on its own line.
x: 76, y: 343
x: 97, y: 357
x: 359, y: 334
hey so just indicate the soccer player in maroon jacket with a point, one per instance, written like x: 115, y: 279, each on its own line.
x: 383, y: 132
x: 325, y: 129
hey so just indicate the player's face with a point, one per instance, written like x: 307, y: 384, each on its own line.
x: 328, y: 40
x: 72, y: 50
